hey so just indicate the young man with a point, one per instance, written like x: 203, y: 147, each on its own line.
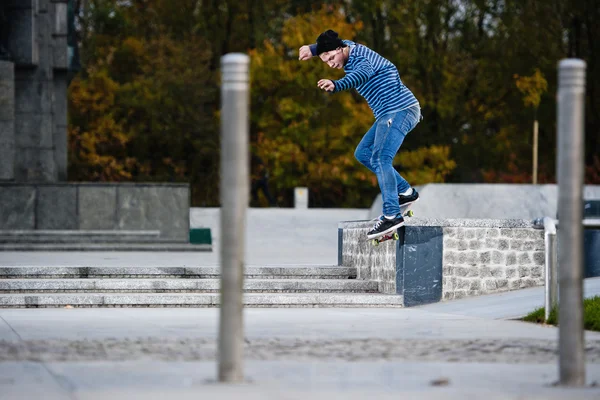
x: 396, y: 111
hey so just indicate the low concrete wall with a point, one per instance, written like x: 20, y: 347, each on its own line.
x: 489, y: 200
x: 437, y: 260
x: 97, y: 206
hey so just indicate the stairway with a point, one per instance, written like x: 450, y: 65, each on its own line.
x: 264, y: 286
x: 93, y: 240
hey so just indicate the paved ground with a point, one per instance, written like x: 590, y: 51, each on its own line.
x: 289, y: 353
x: 273, y: 236
x: 284, y: 235
x: 284, y: 380
x: 507, y: 305
x: 458, y: 350
x: 492, y: 200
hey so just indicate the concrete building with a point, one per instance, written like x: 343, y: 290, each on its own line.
x: 36, y: 201
x: 33, y: 94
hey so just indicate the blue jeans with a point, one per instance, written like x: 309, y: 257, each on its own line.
x: 377, y: 149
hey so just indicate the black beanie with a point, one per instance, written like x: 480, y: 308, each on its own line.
x: 328, y: 41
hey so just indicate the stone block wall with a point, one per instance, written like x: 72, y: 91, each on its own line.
x: 437, y: 260
x: 37, y: 43
x: 164, y: 207
x: 487, y: 200
x: 372, y: 263
x: 7, y: 120
x: 481, y: 260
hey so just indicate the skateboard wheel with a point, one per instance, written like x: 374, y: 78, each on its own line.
x: 396, y: 236
x: 375, y: 242
x: 410, y: 213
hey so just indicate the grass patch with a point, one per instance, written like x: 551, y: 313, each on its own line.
x: 591, y: 315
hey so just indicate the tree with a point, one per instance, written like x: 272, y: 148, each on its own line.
x: 145, y: 105
x: 97, y: 141
x: 532, y: 87
x: 307, y: 136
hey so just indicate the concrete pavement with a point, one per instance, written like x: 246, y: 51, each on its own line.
x: 274, y: 236
x: 290, y: 353
x: 284, y: 380
x: 506, y: 305
x: 284, y: 235
x: 286, y: 323
x: 456, y: 350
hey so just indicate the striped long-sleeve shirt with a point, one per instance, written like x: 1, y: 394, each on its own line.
x: 376, y: 79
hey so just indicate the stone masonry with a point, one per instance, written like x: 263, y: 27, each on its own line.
x: 372, y: 263
x: 35, y: 64
x: 478, y: 256
x: 487, y: 260
x: 33, y: 126
x: 7, y: 120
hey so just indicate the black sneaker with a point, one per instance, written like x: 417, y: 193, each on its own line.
x: 409, y: 199
x: 384, y: 225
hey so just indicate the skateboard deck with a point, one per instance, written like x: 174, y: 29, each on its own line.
x: 406, y: 212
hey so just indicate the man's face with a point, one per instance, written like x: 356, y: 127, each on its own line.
x: 334, y: 58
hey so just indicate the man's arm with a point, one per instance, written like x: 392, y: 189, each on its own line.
x: 362, y: 72
x: 307, y: 52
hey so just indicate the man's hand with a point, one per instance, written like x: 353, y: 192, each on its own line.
x: 326, y: 85
x: 304, y: 53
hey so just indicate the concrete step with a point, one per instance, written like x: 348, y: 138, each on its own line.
x: 183, y: 285
x: 80, y: 236
x: 199, y: 300
x: 264, y: 272
x: 158, y: 246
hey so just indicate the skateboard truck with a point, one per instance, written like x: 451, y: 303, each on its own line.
x: 390, y: 236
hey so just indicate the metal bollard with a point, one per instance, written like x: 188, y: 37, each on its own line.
x: 570, y: 169
x: 301, y: 197
x: 550, y: 262
x: 234, y: 203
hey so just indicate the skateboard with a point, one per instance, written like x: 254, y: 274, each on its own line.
x: 392, y: 235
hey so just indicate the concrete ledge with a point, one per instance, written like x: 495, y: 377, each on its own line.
x: 210, y: 285
x: 58, y: 247
x: 452, y: 222
x: 198, y: 300
x: 265, y: 272
x: 437, y: 260
x: 163, y: 207
x: 486, y: 200
x: 89, y: 236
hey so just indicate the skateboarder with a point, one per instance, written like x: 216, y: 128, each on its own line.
x: 396, y: 111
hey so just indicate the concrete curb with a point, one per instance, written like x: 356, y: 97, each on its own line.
x: 199, y: 300
x: 265, y: 272
x: 187, y: 285
x: 57, y: 247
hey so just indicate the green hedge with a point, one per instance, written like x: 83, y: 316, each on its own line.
x: 591, y: 315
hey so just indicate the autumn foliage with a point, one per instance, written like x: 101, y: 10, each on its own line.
x: 145, y: 107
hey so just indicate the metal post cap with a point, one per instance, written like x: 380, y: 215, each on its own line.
x: 571, y: 73
x: 571, y: 63
x: 234, y: 67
